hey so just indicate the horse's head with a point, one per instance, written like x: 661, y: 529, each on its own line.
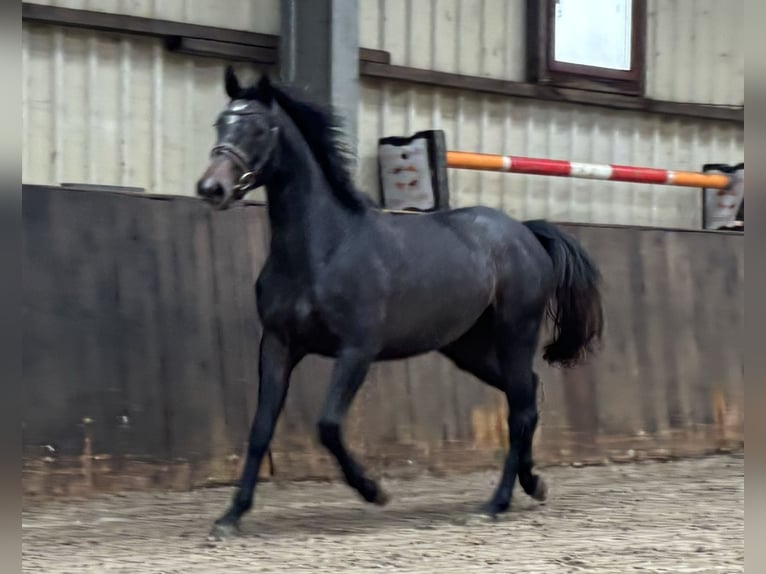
x: 243, y: 155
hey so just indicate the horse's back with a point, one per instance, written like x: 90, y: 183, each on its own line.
x: 476, y: 237
x: 445, y: 269
x: 523, y: 268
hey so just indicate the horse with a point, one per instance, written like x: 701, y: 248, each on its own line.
x: 349, y: 281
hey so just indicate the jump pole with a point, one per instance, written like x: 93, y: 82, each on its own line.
x: 413, y: 176
x: 562, y: 168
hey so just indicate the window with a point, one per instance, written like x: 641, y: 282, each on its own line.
x: 588, y: 44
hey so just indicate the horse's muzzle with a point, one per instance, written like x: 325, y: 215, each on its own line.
x: 212, y: 191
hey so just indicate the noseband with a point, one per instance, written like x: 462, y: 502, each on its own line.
x: 250, y: 171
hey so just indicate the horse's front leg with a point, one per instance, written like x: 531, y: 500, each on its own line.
x: 276, y: 364
x: 349, y: 373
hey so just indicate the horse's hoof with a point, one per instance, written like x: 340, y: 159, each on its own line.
x: 381, y: 498
x: 492, y: 509
x: 224, y: 530
x: 541, y: 490
x: 372, y: 492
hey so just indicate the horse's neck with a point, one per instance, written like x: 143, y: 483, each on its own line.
x: 307, y: 221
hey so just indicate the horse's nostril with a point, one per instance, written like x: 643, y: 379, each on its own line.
x: 210, y: 188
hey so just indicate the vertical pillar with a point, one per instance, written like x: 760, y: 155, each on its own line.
x: 319, y: 50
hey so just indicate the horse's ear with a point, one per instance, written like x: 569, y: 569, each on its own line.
x: 264, y: 92
x: 233, y: 88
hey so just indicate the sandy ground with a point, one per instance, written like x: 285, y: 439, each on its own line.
x: 678, y: 517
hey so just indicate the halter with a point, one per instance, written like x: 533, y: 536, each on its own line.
x: 248, y: 179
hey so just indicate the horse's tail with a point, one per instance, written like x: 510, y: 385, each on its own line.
x: 575, y: 309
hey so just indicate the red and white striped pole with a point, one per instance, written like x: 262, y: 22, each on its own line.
x: 562, y: 168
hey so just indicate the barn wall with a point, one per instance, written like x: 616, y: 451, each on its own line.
x: 695, y: 50
x: 517, y: 126
x: 251, y: 15
x: 694, y: 53
x: 110, y: 110
x: 140, y: 357
x: 113, y: 110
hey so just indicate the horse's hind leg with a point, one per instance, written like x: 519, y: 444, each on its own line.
x: 516, y: 346
x: 532, y: 483
x: 349, y: 373
x: 477, y: 353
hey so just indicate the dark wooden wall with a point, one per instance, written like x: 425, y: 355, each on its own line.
x: 140, y: 356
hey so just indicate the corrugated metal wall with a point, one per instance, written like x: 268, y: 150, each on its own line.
x: 695, y: 50
x: 122, y: 111
x: 560, y: 131
x: 251, y: 15
x: 694, y: 54
x: 107, y: 110
x: 474, y: 37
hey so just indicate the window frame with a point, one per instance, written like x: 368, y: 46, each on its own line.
x: 542, y: 68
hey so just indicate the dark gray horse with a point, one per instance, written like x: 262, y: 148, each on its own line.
x: 345, y: 280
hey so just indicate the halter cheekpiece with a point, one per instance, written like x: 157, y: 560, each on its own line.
x: 249, y: 178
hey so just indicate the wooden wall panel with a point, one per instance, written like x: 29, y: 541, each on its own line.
x: 141, y: 344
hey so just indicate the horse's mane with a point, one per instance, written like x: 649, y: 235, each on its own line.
x: 321, y: 128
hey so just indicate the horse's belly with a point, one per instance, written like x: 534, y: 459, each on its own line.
x: 419, y: 325
x: 420, y: 343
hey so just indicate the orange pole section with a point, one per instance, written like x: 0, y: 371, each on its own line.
x: 481, y: 161
x: 563, y: 168
x: 692, y: 179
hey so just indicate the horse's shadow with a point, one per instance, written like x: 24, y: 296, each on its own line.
x: 324, y: 521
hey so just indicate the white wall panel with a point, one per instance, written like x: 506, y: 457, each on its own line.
x: 112, y: 110
x: 252, y: 15
x: 474, y: 37
x: 694, y: 49
x: 542, y: 129
x: 106, y: 109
